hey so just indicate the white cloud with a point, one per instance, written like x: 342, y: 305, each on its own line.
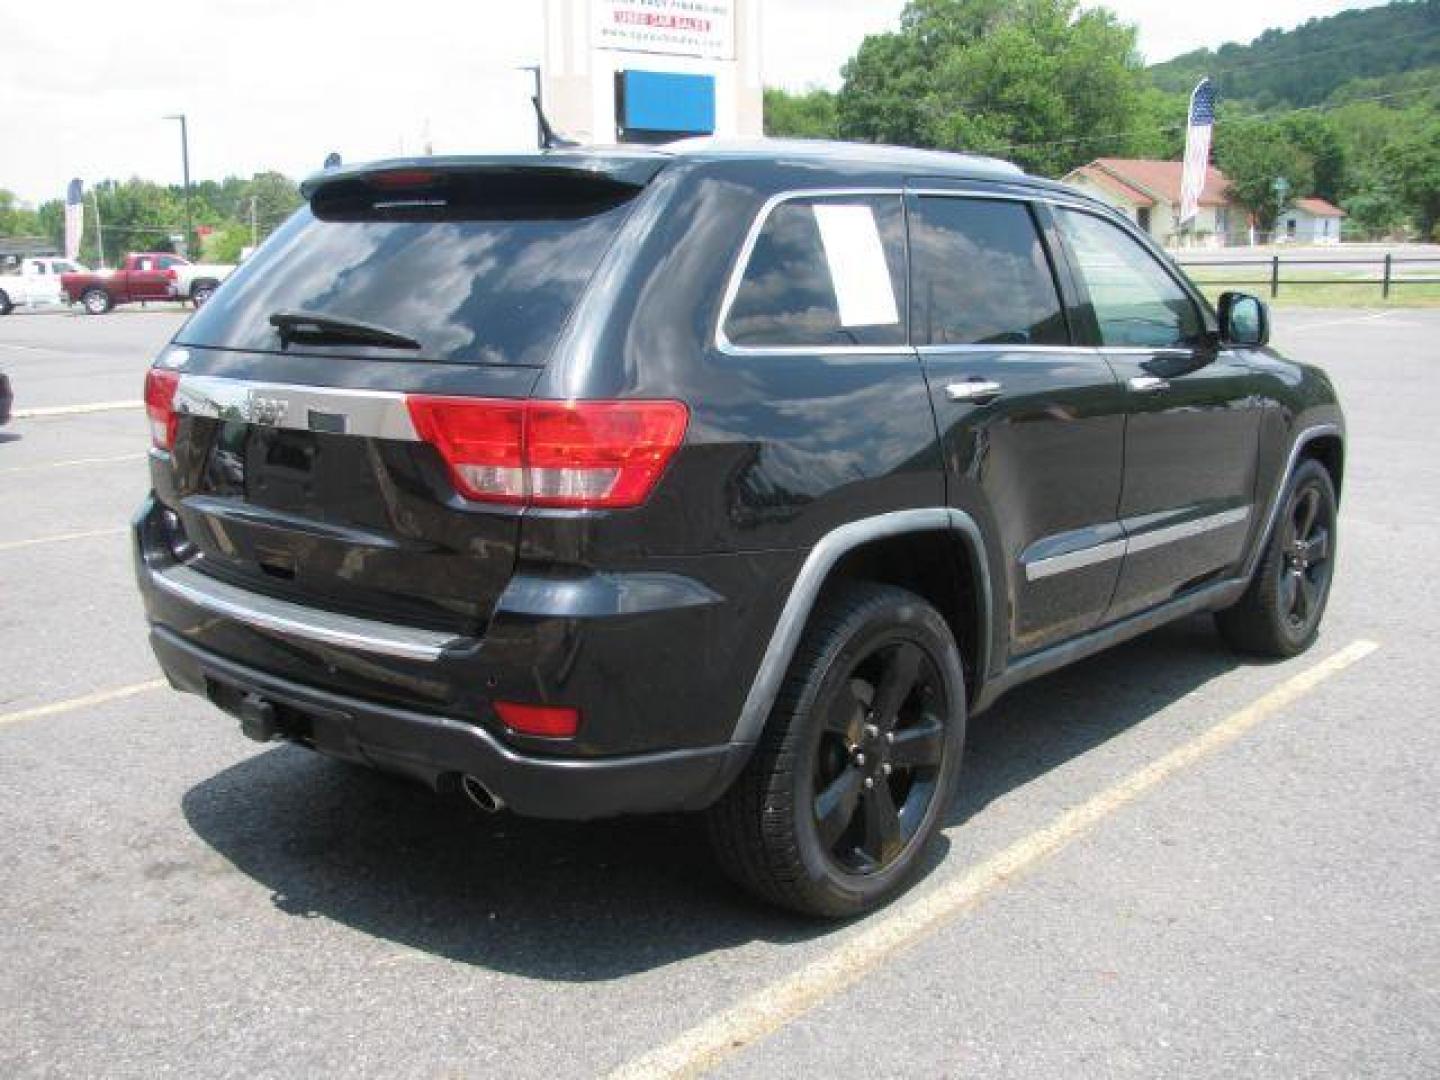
x: 279, y: 83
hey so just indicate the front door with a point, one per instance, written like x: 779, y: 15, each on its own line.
x: 1031, y: 425
x: 1192, y: 435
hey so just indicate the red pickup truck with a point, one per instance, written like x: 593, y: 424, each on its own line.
x: 143, y: 276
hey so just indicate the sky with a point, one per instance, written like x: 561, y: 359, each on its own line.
x: 277, y: 84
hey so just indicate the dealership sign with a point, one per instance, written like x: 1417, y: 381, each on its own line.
x: 677, y: 27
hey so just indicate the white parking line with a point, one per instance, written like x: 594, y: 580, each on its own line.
x: 36, y: 541
x: 769, y: 1009
x: 71, y: 704
x: 75, y: 410
x: 70, y: 463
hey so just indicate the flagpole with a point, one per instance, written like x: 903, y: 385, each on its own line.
x: 99, y: 232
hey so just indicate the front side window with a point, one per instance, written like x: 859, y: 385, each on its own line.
x: 1136, y: 302
x: 824, y: 272
x: 981, y: 275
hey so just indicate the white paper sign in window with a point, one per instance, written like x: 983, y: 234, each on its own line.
x: 863, y: 291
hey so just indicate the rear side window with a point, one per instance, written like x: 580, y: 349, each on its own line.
x: 479, y: 269
x: 824, y: 272
x: 981, y: 275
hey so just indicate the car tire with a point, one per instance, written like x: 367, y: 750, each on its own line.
x: 6, y: 306
x: 1279, y: 615
x: 858, y: 763
x: 96, y: 301
x: 200, y: 292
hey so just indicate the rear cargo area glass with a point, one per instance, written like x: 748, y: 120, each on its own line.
x: 477, y: 270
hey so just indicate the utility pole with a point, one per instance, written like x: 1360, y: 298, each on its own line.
x: 99, y: 232
x: 254, y: 224
x: 185, y: 166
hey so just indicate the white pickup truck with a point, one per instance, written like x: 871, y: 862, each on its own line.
x: 34, y: 283
x: 196, y: 281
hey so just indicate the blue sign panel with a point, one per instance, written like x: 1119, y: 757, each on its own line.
x: 667, y: 101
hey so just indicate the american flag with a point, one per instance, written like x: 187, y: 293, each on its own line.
x: 74, y: 218
x: 1197, y: 148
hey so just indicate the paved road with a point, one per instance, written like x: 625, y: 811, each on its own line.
x: 1263, y: 902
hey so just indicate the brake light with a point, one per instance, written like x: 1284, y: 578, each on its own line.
x: 160, y: 387
x: 402, y: 178
x: 580, y: 454
x: 550, y: 721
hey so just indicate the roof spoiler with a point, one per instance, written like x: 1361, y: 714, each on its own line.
x: 628, y: 168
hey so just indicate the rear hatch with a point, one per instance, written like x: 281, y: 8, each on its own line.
x: 299, y: 469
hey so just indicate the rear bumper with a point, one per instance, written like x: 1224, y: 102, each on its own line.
x: 435, y: 748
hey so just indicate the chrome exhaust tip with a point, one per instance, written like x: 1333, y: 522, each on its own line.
x: 481, y: 796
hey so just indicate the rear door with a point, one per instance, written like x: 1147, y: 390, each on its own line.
x: 1192, y: 436
x: 1031, y: 424
x: 300, y: 470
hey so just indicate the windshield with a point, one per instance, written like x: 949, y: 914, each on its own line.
x: 475, y: 284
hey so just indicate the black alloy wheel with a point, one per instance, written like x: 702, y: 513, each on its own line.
x: 855, y: 769
x: 1279, y: 614
x: 1305, y: 570
x: 878, y: 760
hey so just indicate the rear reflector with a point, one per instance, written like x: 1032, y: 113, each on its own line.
x: 579, y: 454
x: 551, y: 721
x: 160, y: 387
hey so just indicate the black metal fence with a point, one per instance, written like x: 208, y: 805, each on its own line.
x: 1385, y: 277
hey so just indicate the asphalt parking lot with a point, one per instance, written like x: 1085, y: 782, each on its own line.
x: 1164, y: 861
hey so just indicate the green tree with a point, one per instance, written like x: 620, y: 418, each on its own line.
x: 809, y: 114
x: 1254, y: 154
x: 16, y: 220
x: 1413, y: 167
x: 1038, y: 81
x: 1318, y: 138
x: 275, y: 197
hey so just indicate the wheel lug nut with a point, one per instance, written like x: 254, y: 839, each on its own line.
x: 889, y: 736
x: 859, y: 759
x: 885, y: 768
x: 869, y: 783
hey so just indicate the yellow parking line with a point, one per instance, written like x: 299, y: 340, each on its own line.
x: 35, y: 541
x: 771, y: 1008
x: 70, y: 463
x: 71, y: 704
x: 74, y: 410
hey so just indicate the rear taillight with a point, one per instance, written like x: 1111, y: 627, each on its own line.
x: 160, y: 387
x: 581, y: 454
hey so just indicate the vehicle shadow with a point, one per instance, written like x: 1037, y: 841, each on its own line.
x: 595, y: 901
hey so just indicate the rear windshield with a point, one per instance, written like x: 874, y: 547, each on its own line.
x: 478, y: 270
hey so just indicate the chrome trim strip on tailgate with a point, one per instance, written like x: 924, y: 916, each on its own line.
x: 376, y: 414
x: 296, y: 620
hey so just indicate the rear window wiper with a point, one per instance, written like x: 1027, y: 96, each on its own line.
x: 335, y: 329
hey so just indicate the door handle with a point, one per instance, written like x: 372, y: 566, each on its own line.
x: 978, y: 391
x: 1148, y: 384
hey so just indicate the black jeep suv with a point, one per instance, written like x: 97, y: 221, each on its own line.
x: 713, y: 477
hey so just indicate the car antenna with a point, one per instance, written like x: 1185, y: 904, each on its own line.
x: 549, y: 138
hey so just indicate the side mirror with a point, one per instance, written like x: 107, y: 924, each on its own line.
x: 1244, y: 320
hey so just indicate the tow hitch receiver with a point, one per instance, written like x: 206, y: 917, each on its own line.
x: 257, y: 718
